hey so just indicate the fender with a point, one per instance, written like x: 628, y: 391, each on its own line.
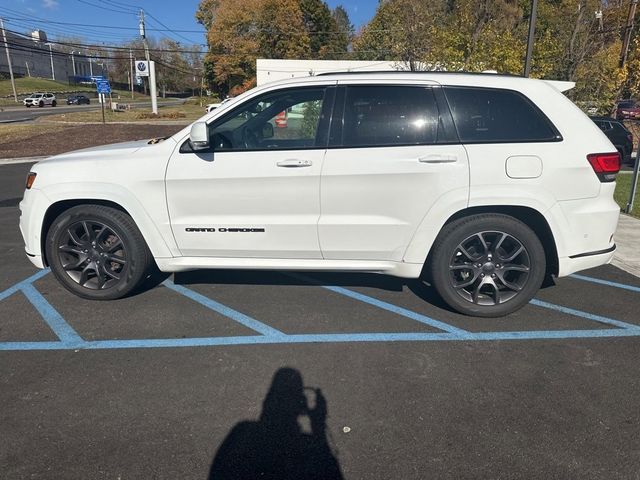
x: 500, y: 198
x: 156, y: 233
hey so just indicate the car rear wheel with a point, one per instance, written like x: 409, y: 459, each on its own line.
x: 97, y: 252
x: 487, y: 265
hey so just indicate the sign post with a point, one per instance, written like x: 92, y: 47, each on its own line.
x: 148, y: 69
x: 103, y: 87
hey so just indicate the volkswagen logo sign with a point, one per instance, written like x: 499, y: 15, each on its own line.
x: 142, y: 66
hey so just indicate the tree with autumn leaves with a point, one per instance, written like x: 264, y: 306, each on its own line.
x: 571, y: 42
x: 239, y: 32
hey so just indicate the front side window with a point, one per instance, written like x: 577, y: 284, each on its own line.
x: 279, y: 120
x: 486, y: 115
x: 387, y: 115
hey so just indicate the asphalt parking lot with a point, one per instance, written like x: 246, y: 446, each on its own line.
x: 201, y: 376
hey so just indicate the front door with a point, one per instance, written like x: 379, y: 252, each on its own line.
x: 256, y: 193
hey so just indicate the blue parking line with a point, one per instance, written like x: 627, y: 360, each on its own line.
x: 62, y: 329
x: 588, y: 316
x: 608, y: 283
x: 320, y: 338
x: 384, y: 305
x: 245, y: 320
x: 27, y: 281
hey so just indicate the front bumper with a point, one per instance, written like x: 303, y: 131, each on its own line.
x: 32, y: 211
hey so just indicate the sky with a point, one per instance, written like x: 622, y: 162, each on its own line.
x: 178, y: 16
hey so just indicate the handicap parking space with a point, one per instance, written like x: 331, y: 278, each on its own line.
x: 216, y: 308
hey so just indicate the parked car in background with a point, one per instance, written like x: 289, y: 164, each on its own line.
x: 40, y: 100
x: 78, y: 100
x: 627, y: 109
x: 621, y: 138
x: 212, y: 106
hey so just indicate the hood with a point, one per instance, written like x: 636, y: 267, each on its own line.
x: 105, y: 152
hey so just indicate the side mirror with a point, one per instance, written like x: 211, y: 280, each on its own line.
x: 199, y: 136
x: 267, y: 131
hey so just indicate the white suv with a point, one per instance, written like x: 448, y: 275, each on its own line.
x: 481, y: 184
x: 40, y: 100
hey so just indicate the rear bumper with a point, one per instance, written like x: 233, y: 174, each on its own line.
x: 584, y: 261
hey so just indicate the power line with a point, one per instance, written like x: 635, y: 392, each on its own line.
x: 102, y: 7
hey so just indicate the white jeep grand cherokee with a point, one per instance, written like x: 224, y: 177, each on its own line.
x: 482, y: 184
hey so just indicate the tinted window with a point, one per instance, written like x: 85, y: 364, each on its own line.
x: 389, y: 115
x: 286, y: 119
x: 625, y: 104
x: 484, y: 115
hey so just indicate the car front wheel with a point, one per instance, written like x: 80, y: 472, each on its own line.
x: 54, y: 103
x: 487, y: 265
x: 97, y: 252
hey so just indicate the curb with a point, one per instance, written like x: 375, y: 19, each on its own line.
x: 16, y: 120
x: 42, y: 120
x: 10, y: 161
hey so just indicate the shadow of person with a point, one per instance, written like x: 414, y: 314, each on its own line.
x: 275, y: 446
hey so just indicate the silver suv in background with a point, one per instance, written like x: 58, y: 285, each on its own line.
x: 40, y: 100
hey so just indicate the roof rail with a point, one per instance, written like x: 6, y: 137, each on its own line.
x: 430, y: 72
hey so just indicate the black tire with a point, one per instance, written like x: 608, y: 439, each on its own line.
x: 472, y: 270
x: 41, y: 104
x: 28, y: 106
x: 54, y: 103
x: 97, y: 252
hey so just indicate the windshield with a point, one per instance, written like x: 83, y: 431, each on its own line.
x: 37, y: 95
x: 626, y: 104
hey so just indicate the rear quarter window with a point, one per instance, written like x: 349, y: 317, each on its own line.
x: 487, y: 115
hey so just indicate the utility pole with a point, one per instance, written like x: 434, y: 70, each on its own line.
x: 152, y: 70
x: 6, y: 47
x: 530, y: 38
x: 53, y: 72
x: 132, y: 70
x: 73, y: 62
x: 627, y: 32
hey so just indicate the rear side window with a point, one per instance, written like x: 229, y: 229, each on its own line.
x: 387, y: 115
x: 485, y: 115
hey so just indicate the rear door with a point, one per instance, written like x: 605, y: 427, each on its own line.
x: 392, y: 154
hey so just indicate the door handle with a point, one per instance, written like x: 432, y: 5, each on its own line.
x: 435, y: 158
x: 294, y: 163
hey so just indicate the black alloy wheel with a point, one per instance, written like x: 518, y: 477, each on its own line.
x: 97, y: 252
x: 487, y: 265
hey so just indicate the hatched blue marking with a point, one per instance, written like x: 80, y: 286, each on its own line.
x: 608, y: 283
x: 224, y: 310
x: 386, y: 306
x: 27, y: 281
x: 50, y: 315
x: 71, y: 340
x: 588, y: 316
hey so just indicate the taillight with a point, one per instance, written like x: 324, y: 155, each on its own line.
x: 606, y: 165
